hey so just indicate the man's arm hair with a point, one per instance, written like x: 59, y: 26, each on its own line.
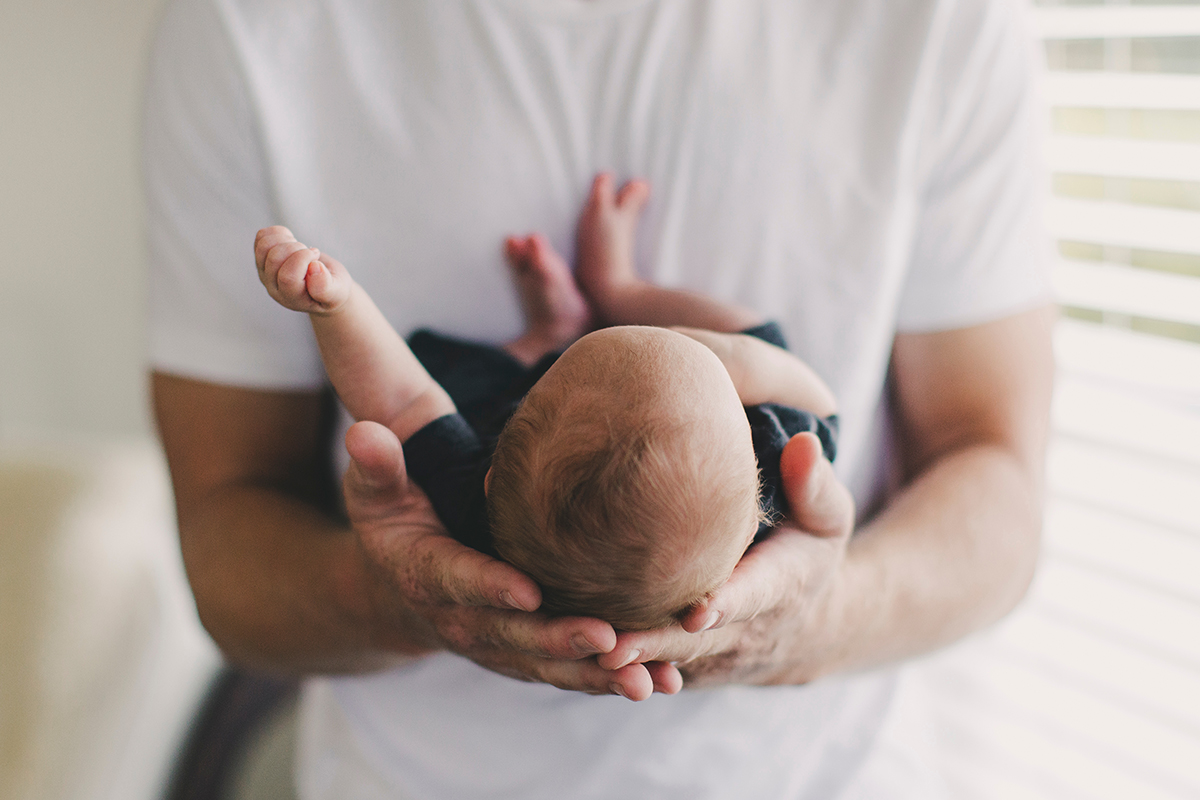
x: 956, y: 549
x: 279, y: 579
x: 284, y: 584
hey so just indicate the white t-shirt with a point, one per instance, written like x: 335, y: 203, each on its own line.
x: 848, y: 168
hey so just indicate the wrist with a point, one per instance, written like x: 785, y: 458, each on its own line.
x: 337, y: 307
x: 824, y: 628
x: 848, y: 626
x: 394, y: 631
x: 832, y: 627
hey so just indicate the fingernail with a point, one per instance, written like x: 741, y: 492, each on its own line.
x: 712, y: 619
x: 617, y: 688
x: 583, y: 646
x: 508, y: 600
x: 634, y: 655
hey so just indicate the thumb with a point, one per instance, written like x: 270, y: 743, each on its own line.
x: 376, y: 460
x: 818, y: 502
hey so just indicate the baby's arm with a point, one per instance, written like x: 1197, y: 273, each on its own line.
x: 374, y: 373
x: 605, y: 271
x: 764, y: 373
x: 640, y: 302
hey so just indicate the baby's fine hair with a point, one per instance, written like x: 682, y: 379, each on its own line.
x: 613, y: 513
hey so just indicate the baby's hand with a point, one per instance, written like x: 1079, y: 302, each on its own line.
x: 299, y: 277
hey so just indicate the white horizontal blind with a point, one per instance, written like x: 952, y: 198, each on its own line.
x: 1092, y: 688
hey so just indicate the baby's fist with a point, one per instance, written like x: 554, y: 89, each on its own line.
x: 299, y: 277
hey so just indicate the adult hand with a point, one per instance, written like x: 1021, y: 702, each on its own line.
x: 431, y: 593
x: 775, y: 620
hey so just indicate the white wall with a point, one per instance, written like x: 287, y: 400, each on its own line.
x: 72, y: 264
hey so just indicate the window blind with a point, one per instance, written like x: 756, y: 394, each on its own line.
x: 1092, y: 688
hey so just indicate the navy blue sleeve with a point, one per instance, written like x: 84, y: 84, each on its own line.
x: 772, y: 426
x: 448, y: 461
x: 769, y: 332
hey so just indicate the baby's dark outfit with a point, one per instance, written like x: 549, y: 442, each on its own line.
x: 449, y: 457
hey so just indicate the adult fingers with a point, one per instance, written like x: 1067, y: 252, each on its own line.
x: 663, y: 645
x: 820, y: 506
x: 818, y: 502
x: 376, y: 459
x: 759, y: 581
x: 665, y: 676
x: 443, y: 571
x: 633, y: 682
x: 782, y: 574
x: 467, y: 629
x: 405, y: 534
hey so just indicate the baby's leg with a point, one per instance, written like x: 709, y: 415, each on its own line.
x: 371, y: 368
x: 605, y: 244
x: 556, y: 313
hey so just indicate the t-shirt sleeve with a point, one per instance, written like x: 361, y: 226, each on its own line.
x: 208, y: 190
x: 980, y: 251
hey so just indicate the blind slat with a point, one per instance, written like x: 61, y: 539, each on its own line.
x: 1128, y: 290
x: 1144, y: 552
x: 1098, y: 22
x: 1107, y: 415
x: 1090, y: 731
x: 1125, y: 225
x: 1092, y: 688
x: 1112, y: 673
x: 988, y: 707
x: 1122, y: 90
x: 1125, y: 158
x: 1125, y: 613
x: 1163, y: 367
x: 1164, y: 493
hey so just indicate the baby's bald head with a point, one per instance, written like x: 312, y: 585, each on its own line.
x: 626, y: 483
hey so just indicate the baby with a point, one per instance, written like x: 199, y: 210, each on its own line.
x: 623, y: 474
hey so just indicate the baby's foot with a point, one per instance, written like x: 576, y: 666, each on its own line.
x: 298, y: 277
x: 556, y: 313
x: 605, y: 237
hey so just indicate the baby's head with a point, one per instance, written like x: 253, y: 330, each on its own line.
x: 626, y: 483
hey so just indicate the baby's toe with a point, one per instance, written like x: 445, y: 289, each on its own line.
x: 633, y: 195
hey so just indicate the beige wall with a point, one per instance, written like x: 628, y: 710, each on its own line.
x: 72, y: 264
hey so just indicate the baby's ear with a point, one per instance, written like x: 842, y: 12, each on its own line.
x: 487, y: 481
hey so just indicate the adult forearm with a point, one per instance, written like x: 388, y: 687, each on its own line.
x: 282, y: 586
x: 954, y: 552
